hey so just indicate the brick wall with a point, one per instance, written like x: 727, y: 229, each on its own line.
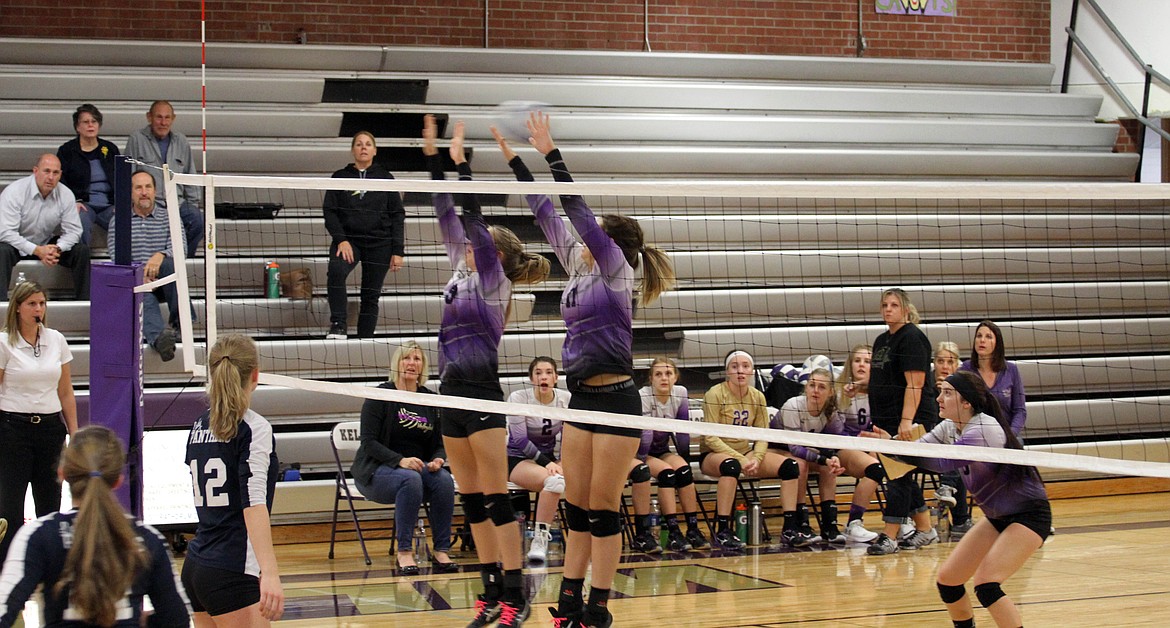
x: 997, y: 30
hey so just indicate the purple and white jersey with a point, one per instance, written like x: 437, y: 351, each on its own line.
x: 796, y: 417
x: 856, y: 415
x: 677, y: 406
x: 475, y: 301
x: 598, y: 302
x: 999, y: 492
x: 532, y: 436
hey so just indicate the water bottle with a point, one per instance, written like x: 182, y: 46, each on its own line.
x: 272, y: 280
x: 20, y: 278
x: 741, y: 522
x: 420, y: 543
x: 522, y: 523
x: 755, y: 524
x: 655, y: 520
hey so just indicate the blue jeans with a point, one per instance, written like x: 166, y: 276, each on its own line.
x: 100, y: 217
x: 192, y: 220
x: 152, y: 322
x: 406, y: 489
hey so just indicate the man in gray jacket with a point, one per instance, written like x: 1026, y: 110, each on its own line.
x: 157, y: 145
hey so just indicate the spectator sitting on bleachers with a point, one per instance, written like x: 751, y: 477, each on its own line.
x: 87, y: 169
x: 366, y: 227
x: 736, y: 402
x: 664, y: 399
x: 157, y: 145
x: 150, y: 244
x: 951, y: 490
x: 532, y: 450
x: 400, y: 461
x: 1001, y: 376
x: 38, y: 220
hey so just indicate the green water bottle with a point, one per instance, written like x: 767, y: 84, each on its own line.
x: 741, y: 522
x: 272, y: 280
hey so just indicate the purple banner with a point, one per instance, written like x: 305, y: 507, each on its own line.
x: 946, y: 8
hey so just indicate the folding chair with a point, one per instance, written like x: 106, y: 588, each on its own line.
x: 346, y: 439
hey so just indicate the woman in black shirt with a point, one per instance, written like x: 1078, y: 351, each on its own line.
x: 400, y: 461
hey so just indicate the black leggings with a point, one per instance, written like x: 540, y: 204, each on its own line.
x: 375, y: 260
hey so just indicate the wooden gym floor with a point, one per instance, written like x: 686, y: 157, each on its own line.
x: 1109, y: 564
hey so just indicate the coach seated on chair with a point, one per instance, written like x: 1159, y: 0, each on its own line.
x: 150, y: 244
x: 38, y: 220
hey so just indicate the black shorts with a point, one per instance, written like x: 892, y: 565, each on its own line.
x: 619, y: 398
x: 460, y: 422
x: 703, y: 456
x: 1037, y: 518
x: 218, y: 591
x: 513, y: 461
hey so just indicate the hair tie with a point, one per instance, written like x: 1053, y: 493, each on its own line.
x: 95, y: 474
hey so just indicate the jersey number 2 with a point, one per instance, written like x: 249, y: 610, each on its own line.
x: 207, y: 487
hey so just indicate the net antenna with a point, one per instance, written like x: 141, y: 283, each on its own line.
x: 1077, y: 275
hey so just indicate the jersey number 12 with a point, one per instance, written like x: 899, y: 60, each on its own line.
x: 207, y: 488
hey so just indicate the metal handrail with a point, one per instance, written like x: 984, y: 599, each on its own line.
x: 1150, y: 74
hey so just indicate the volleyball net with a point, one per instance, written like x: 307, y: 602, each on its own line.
x: 1077, y: 276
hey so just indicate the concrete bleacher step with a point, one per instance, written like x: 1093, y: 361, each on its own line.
x: 182, y: 54
x: 120, y: 119
x: 786, y: 345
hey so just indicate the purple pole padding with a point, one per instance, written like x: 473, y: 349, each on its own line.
x: 115, y: 367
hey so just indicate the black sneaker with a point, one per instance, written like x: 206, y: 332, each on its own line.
x: 165, y: 345
x: 565, y: 621
x: 832, y: 534
x: 696, y: 539
x: 645, y: 543
x: 728, y: 541
x: 336, y: 332
x: 511, y: 616
x: 676, y: 542
x: 798, y: 538
x: 585, y: 622
x: 486, y: 612
x: 883, y: 546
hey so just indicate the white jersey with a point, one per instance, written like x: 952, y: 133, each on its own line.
x: 856, y: 415
x: 530, y: 436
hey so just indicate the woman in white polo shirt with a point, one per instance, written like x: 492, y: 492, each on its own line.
x: 37, y: 407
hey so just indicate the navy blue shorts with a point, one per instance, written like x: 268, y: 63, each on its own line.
x: 462, y: 422
x: 218, y: 591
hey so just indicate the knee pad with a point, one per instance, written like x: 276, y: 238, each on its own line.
x: 667, y: 478
x: 554, y: 484
x: 988, y: 593
x: 641, y: 473
x: 951, y: 593
x: 473, y: 508
x: 789, y: 470
x: 684, y: 477
x: 499, y: 508
x: 576, y: 517
x: 603, y: 523
x: 730, y: 468
x: 876, y: 472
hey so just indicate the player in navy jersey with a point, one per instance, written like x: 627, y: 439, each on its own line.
x: 1018, y: 515
x: 597, y: 306
x: 230, y: 573
x: 96, y: 564
x: 533, y: 444
x: 665, y: 399
x: 486, y: 262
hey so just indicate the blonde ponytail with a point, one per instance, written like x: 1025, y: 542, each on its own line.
x: 231, y: 363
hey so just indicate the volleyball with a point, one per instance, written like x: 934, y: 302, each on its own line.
x: 512, y: 117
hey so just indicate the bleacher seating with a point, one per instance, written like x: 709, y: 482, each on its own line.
x: 773, y: 275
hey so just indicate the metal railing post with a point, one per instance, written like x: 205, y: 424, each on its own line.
x: 1068, y: 47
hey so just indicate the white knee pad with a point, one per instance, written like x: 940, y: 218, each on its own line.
x: 555, y: 484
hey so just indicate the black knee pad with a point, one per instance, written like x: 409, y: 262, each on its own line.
x: 988, y: 593
x: 640, y: 473
x: 684, y: 477
x: 576, y: 517
x: 951, y: 593
x: 730, y: 468
x: 789, y: 470
x: 473, y: 508
x: 876, y: 472
x: 604, y: 523
x: 667, y: 478
x: 499, y: 508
